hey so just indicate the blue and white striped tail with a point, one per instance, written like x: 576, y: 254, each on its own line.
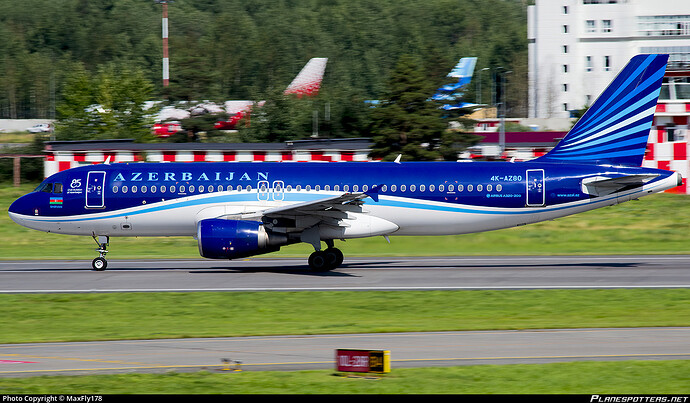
x: 615, y: 129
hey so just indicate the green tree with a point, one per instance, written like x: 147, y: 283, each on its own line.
x: 109, y: 104
x: 407, y: 122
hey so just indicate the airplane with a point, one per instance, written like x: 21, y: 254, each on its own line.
x: 306, y: 83
x: 462, y: 72
x: 236, y: 210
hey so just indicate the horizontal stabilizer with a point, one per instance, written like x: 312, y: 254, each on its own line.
x: 602, y: 185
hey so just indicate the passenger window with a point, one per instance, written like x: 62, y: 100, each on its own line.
x: 461, y: 188
x: 114, y: 189
x: 489, y: 188
x: 422, y: 188
x: 134, y: 189
x: 308, y: 188
x: 124, y: 189
x: 144, y: 189
x: 469, y: 188
x: 432, y: 188
x: 479, y: 188
x: 153, y: 188
x: 318, y: 187
x: 499, y: 187
x: 365, y: 188
x: 162, y: 188
x: 393, y: 188
x: 441, y: 188
x: 346, y: 188
x: 355, y: 188
x: 403, y: 188
x: 413, y: 188
x: 172, y: 189
x: 451, y: 188
x: 336, y: 188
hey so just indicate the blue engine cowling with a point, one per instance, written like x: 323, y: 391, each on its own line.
x: 232, y: 239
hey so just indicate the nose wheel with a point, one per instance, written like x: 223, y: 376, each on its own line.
x: 99, y: 263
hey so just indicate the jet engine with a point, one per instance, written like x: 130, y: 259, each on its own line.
x: 232, y: 239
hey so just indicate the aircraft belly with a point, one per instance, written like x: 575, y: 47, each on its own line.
x: 416, y: 221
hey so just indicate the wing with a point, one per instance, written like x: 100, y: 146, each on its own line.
x: 334, y: 217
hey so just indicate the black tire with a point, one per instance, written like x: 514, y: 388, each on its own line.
x: 99, y: 264
x: 334, y: 257
x: 318, y: 262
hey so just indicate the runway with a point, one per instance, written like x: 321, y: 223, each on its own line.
x: 371, y: 273
x: 318, y: 352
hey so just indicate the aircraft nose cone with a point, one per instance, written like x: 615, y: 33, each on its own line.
x: 19, y: 208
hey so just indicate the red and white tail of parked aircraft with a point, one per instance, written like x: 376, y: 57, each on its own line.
x: 307, y: 83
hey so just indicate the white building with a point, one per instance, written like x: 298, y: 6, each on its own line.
x: 576, y: 47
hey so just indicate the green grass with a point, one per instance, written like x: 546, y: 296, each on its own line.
x: 80, y: 317
x: 626, y: 377
x: 655, y: 224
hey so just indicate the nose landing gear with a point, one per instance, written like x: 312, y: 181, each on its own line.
x: 99, y: 263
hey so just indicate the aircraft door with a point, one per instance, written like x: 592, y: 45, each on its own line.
x: 536, y: 196
x: 95, y: 189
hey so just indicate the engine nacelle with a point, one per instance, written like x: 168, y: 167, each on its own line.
x: 232, y: 239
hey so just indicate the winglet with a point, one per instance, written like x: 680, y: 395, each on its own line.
x: 397, y: 159
x: 373, y: 193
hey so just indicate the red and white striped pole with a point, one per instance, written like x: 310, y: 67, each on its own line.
x: 166, y: 59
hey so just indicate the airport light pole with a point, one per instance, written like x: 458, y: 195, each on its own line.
x: 479, y: 85
x: 502, y: 128
x: 166, y: 58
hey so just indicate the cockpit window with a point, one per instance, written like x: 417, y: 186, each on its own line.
x: 49, y: 187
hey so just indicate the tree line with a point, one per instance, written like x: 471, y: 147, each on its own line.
x: 59, y: 56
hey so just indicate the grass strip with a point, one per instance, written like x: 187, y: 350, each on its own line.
x: 618, y: 377
x: 81, y: 317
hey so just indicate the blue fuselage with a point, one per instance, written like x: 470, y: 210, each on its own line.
x: 153, y: 199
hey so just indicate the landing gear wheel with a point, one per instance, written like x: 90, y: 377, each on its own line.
x: 99, y: 264
x: 317, y: 261
x: 334, y: 256
x: 322, y: 261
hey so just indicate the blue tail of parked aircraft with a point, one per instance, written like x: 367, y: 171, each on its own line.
x: 451, y: 92
x: 615, y: 129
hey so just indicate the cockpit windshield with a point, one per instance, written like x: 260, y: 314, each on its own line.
x: 50, y: 187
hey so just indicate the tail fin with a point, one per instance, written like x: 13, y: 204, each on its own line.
x: 615, y: 129
x: 308, y: 81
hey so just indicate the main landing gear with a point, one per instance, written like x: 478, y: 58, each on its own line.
x: 99, y: 263
x: 326, y: 260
